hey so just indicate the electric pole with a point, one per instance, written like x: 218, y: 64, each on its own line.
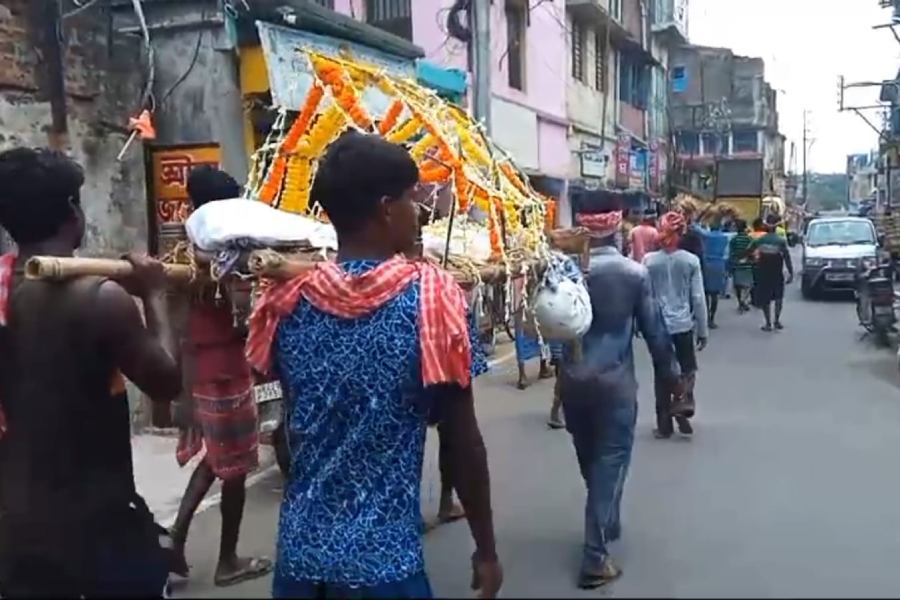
x: 805, y: 172
x: 481, y: 26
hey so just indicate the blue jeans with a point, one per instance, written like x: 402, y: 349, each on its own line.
x: 416, y: 586
x: 603, y: 433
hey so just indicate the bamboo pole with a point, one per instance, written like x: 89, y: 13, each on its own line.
x: 56, y: 268
x: 261, y: 264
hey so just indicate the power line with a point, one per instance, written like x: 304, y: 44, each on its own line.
x: 80, y: 8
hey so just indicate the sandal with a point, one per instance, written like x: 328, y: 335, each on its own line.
x: 253, y: 568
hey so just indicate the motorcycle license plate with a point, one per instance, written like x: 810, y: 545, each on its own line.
x: 266, y: 392
x: 839, y: 277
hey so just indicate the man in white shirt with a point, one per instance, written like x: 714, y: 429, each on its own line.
x: 677, y: 280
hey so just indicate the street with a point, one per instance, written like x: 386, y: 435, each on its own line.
x: 790, y: 487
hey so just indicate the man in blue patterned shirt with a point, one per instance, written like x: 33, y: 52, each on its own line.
x: 357, y: 408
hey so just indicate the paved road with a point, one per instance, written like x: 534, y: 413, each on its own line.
x: 791, y: 486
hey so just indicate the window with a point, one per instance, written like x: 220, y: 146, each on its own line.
x: 578, y: 52
x: 744, y: 141
x: 326, y: 3
x: 634, y: 82
x: 687, y: 143
x: 599, y: 61
x: 615, y: 9
x: 515, y: 35
x: 714, y: 144
x: 394, y: 16
x: 679, y: 79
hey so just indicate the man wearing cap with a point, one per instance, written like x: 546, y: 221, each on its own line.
x: 598, y: 388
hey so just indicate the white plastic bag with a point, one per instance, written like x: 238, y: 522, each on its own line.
x: 217, y: 225
x: 561, y: 306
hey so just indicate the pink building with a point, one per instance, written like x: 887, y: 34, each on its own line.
x: 529, y: 55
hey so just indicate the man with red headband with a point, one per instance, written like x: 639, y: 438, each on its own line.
x: 598, y: 388
x: 678, y: 284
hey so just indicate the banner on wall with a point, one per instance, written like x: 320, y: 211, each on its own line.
x: 623, y: 160
x: 170, y: 167
x: 638, y: 171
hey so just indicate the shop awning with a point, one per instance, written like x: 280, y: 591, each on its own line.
x: 448, y: 83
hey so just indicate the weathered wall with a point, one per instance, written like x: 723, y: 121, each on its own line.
x: 103, y: 83
x: 206, y: 106
x: 716, y: 74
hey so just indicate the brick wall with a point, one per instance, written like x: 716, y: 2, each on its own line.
x: 103, y: 81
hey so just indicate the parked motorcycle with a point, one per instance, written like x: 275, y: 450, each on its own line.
x: 270, y: 406
x: 875, y: 301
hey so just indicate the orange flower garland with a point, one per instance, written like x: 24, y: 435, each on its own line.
x: 273, y: 182
x: 433, y: 173
x: 390, y: 117
x: 278, y: 172
x: 336, y: 77
x: 550, y: 214
x: 494, y: 230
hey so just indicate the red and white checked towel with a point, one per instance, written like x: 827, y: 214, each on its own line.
x: 7, y: 269
x: 443, y: 329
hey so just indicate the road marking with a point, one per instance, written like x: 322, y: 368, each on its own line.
x: 255, y: 478
x: 505, y: 358
x: 216, y: 498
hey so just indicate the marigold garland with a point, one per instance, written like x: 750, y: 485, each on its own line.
x: 410, y: 128
x: 452, y: 150
x: 390, y: 117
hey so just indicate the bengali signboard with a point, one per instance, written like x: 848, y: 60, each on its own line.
x: 593, y: 162
x: 623, y: 160
x: 170, y: 167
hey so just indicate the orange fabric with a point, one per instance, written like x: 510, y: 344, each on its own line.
x: 671, y: 228
x: 443, y: 329
x: 601, y: 224
x: 143, y: 124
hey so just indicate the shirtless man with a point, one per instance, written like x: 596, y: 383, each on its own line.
x: 72, y: 522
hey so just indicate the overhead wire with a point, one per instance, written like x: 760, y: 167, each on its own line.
x: 147, y: 96
x: 187, y: 71
x: 80, y: 8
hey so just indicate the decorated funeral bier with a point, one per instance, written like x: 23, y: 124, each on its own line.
x: 487, y: 224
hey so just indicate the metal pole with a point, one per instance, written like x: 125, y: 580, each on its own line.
x: 482, y: 47
x: 805, y: 173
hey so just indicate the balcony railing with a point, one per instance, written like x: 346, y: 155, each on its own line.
x: 670, y: 17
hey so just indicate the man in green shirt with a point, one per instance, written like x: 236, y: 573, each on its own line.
x: 772, y: 257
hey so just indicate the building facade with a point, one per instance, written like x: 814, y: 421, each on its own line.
x: 722, y: 107
x: 862, y: 180
x: 617, y: 94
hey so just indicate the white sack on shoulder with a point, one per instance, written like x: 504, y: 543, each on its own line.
x: 214, y: 226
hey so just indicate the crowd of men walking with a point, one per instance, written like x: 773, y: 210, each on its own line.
x: 661, y: 280
x: 371, y: 349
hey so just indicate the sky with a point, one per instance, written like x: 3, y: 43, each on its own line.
x: 806, y: 45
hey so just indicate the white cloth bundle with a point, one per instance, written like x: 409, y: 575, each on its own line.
x: 228, y: 223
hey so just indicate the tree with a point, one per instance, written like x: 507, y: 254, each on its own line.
x: 828, y: 191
